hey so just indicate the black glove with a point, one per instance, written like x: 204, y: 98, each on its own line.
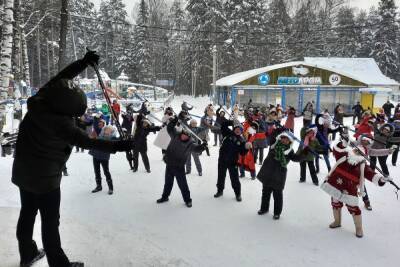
x: 174, y: 120
x: 91, y: 58
x: 204, y: 145
x: 123, y: 145
x: 157, y: 128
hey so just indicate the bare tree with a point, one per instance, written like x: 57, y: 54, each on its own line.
x: 6, y: 47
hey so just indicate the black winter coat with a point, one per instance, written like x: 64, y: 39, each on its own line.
x: 232, y: 145
x: 141, y: 133
x: 178, y: 151
x: 127, y: 121
x: 48, y: 132
x: 272, y: 174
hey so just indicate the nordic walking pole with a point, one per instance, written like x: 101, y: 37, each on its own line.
x: 376, y: 167
x: 123, y: 135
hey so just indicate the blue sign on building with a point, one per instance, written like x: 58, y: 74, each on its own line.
x: 263, y: 79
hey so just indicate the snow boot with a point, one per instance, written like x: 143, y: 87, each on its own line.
x: 162, y: 200
x: 358, y: 224
x: 76, y: 264
x: 200, y: 174
x: 65, y: 172
x: 238, y: 198
x: 218, y: 194
x: 189, y: 204
x: 98, y: 188
x: 367, y: 205
x: 262, y: 212
x: 337, y: 215
x: 40, y: 254
x: 276, y: 216
x: 134, y: 169
x: 110, y: 187
x: 148, y: 170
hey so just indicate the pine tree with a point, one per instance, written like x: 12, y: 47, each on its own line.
x: 142, y: 55
x: 385, y: 38
x: 346, y: 32
x: 279, y: 21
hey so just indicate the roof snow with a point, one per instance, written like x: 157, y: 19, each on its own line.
x: 364, y: 70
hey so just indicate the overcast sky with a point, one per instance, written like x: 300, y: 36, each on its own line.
x: 364, y: 4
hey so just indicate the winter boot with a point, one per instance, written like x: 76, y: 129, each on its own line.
x: 189, y: 204
x: 98, y: 187
x: 264, y: 207
x: 367, y: 205
x: 148, y: 170
x: 162, y: 200
x: 337, y: 215
x: 40, y: 254
x: 110, y: 187
x: 76, y: 264
x: 276, y: 216
x: 238, y: 198
x: 200, y: 174
x: 65, y: 172
x: 218, y: 194
x: 358, y: 224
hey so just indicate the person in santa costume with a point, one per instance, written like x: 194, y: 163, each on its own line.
x: 345, y: 183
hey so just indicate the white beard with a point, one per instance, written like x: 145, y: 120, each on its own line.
x: 354, y: 159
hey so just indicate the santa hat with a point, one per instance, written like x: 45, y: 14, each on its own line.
x: 279, y: 137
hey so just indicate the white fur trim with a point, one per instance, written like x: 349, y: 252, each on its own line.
x: 376, y: 179
x: 338, y: 149
x: 337, y: 194
x: 362, y: 179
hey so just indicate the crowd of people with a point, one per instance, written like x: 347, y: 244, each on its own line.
x: 42, y: 151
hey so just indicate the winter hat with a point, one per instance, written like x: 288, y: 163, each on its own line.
x: 388, y: 127
x: 238, y: 125
x: 312, y: 127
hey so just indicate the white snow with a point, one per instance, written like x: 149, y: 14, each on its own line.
x: 364, y: 70
x: 130, y: 229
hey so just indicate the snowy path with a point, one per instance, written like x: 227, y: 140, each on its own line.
x: 130, y: 229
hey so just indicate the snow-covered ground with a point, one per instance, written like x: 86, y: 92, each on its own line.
x: 130, y: 229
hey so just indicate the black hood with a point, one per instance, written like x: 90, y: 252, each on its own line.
x: 62, y: 97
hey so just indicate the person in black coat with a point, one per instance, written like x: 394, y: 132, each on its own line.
x: 358, y: 111
x: 82, y: 124
x: 143, y: 128
x: 220, y: 114
x: 387, y: 108
x: 46, y: 137
x: 273, y: 172
x: 232, y: 146
x: 127, y: 120
x: 179, y: 149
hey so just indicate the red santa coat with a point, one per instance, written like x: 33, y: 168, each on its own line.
x: 345, y: 181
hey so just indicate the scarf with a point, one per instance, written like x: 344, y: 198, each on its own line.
x: 280, y: 153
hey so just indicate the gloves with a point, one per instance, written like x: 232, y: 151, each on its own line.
x: 248, y: 146
x: 91, y: 58
x: 386, y: 178
x: 174, y: 120
x: 204, y: 145
x: 123, y: 145
x: 157, y: 128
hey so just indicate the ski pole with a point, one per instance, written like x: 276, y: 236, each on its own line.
x: 123, y: 135
x: 377, y: 168
x: 192, y: 133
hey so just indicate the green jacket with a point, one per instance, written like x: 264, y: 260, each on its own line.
x: 313, y: 145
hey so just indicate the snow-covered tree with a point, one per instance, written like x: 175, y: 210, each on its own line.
x: 142, y: 53
x: 346, y: 32
x: 385, y: 38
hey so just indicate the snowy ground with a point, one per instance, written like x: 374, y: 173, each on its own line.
x: 130, y: 229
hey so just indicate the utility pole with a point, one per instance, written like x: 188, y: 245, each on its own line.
x: 214, y: 51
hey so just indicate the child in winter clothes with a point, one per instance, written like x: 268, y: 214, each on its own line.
x: 103, y: 158
x: 273, y: 173
x: 179, y: 149
x: 143, y: 128
x: 196, y: 156
x: 309, y: 147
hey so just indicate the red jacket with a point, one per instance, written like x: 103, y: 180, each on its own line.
x: 363, y: 127
x: 117, y: 108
